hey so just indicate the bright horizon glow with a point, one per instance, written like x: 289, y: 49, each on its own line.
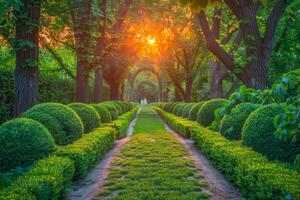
x: 151, y: 40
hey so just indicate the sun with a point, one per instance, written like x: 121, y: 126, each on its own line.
x: 151, y: 40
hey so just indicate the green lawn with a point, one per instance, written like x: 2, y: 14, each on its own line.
x: 153, y: 165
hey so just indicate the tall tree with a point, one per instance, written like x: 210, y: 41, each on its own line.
x: 258, y: 46
x: 27, y: 53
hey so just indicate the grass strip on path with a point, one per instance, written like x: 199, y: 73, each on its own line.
x: 153, y: 165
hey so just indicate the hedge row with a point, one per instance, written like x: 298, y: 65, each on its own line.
x: 253, y: 173
x: 123, y: 122
x: 49, y: 177
x: 249, y: 122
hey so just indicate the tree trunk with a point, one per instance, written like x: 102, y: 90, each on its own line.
x: 82, y: 82
x: 188, y: 89
x: 114, y: 90
x: 257, y: 73
x: 177, y: 95
x: 27, y: 72
x: 216, y: 86
x: 98, y: 89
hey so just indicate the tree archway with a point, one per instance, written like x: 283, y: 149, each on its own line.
x: 140, y: 70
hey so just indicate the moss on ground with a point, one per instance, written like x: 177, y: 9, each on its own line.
x: 153, y: 165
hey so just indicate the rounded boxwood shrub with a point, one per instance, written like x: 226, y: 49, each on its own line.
x: 186, y: 110
x: 51, y: 123
x: 206, y: 114
x: 194, y: 111
x: 112, y: 109
x: 258, y: 133
x: 88, y: 115
x: 175, y: 108
x: 23, y: 141
x: 232, y: 123
x: 103, y: 113
x: 70, y: 122
x: 180, y: 109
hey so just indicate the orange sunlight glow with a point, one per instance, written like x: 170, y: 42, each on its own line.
x: 151, y: 40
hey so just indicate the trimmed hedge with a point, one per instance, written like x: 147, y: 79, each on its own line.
x: 103, y: 113
x: 194, y: 111
x: 186, y: 110
x: 180, y: 109
x: 206, y: 115
x: 122, y: 123
x: 88, y: 115
x: 23, y: 141
x: 254, y: 175
x: 179, y: 124
x: 258, y: 133
x: 70, y: 126
x: 86, y: 151
x: 232, y: 123
x: 111, y: 108
x: 47, y: 179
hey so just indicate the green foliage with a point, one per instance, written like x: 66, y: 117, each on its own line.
x: 205, y: 115
x: 51, y: 88
x: 287, y: 124
x: 258, y: 133
x: 288, y: 90
x: 23, y: 141
x: 179, y: 124
x: 70, y: 126
x: 103, y: 113
x: 180, y: 109
x: 186, y: 110
x: 51, y: 123
x: 111, y: 108
x: 243, y: 166
x: 194, y: 111
x: 87, y: 150
x: 122, y: 123
x: 47, y: 179
x: 88, y: 115
x: 232, y: 123
x: 176, y: 108
x: 169, y: 106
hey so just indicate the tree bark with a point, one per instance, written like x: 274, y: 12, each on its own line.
x: 114, y: 90
x: 82, y: 82
x: 27, y: 72
x: 98, y: 89
x: 216, y: 81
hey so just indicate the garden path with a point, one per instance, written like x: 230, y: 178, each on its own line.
x: 154, y: 164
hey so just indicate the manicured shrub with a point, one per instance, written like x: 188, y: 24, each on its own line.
x: 206, y: 115
x: 186, y: 110
x: 232, y: 123
x: 254, y: 175
x: 169, y: 107
x: 51, y: 123
x: 117, y: 105
x: 180, y: 109
x: 111, y: 108
x: 103, y: 113
x: 194, y: 111
x: 258, y: 133
x: 23, y: 141
x: 88, y: 115
x: 47, y: 179
x: 70, y: 122
x: 123, y: 122
x: 176, y: 107
x: 86, y: 151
